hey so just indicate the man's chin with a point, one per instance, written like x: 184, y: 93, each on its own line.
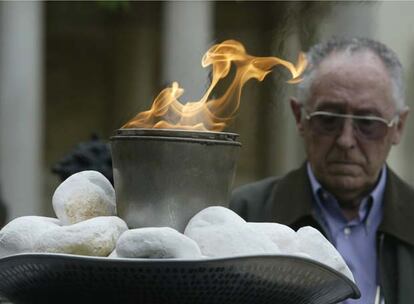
x: 344, y: 169
x: 343, y: 183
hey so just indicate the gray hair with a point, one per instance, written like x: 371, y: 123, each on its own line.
x: 322, y: 50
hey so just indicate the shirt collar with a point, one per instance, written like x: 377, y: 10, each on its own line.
x: 297, y: 208
x: 370, y: 209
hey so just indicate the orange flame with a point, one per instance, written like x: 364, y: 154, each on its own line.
x: 167, y: 112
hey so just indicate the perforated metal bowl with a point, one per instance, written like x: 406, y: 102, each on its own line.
x: 60, y: 278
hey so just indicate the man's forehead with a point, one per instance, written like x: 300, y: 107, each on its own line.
x: 358, y: 65
x: 352, y: 82
x: 340, y: 106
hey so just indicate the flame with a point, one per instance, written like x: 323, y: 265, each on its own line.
x: 167, y: 112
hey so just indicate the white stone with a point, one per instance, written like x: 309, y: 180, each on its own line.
x: 113, y: 254
x: 283, y: 236
x: 93, y: 237
x: 159, y: 242
x: 220, y: 232
x: 82, y: 196
x: 313, y: 243
x: 21, y: 234
x: 302, y: 255
x: 216, y: 215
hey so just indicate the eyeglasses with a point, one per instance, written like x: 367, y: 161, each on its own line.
x: 365, y: 127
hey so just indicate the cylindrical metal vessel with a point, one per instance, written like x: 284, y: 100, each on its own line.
x: 164, y: 177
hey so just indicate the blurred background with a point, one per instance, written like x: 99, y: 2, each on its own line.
x: 72, y: 69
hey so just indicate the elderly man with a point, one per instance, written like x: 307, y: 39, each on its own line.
x: 350, y: 110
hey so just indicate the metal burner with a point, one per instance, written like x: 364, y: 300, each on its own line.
x: 164, y: 177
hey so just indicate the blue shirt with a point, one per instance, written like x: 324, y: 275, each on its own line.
x: 355, y: 239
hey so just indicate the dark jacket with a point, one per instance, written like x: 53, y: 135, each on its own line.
x: 288, y: 200
x: 3, y: 214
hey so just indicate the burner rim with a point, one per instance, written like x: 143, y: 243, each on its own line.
x: 175, y: 133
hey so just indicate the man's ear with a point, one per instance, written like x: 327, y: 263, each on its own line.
x: 400, y: 126
x: 296, y: 108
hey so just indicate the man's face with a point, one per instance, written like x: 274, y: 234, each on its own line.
x: 357, y: 84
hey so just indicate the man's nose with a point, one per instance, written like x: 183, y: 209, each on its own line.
x: 346, y: 138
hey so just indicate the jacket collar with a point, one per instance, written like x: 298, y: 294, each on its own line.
x: 398, y: 218
x: 292, y: 198
x: 292, y: 203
